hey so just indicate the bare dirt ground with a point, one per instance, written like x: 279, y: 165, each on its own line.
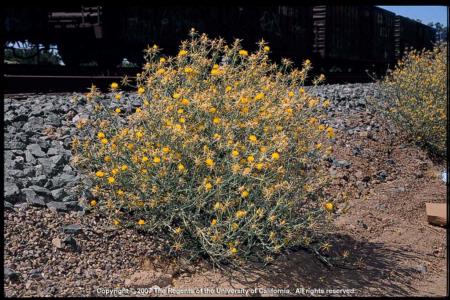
x: 381, y: 235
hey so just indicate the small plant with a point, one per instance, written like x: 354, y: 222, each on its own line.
x: 416, y: 97
x: 222, y: 158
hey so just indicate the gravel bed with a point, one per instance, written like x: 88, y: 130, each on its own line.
x: 51, y: 240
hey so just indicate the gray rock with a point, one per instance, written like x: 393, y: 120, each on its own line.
x: 341, y: 164
x: 11, y: 192
x: 39, y: 180
x: 53, y: 119
x: 36, y: 150
x: 74, y: 206
x: 58, y: 194
x: 42, y: 191
x: 58, y: 160
x: 48, y: 166
x: 382, y: 175
x: 52, y: 151
x: 72, y: 229
x: 64, y: 180
x: 11, y: 274
x: 32, y: 198
x: 8, y: 206
x: 57, y: 206
x: 35, y: 274
x: 71, y: 243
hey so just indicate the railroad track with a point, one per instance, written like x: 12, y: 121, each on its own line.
x: 26, y: 79
x: 47, y: 79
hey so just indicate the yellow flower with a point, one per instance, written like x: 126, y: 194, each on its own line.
x: 214, y: 222
x: 117, y: 110
x: 118, y: 96
x: 329, y: 206
x: 217, y: 136
x: 330, y: 132
x: 114, y: 86
x: 250, y: 158
x: 266, y: 48
x: 144, y: 159
x: 138, y: 110
x: 116, y: 222
x: 141, y: 222
x: 212, y: 110
x: 240, y: 214
x: 233, y: 250
x: 114, y: 171
x: 218, y: 206
x: 326, y: 103
x: 107, y: 158
x: 162, y: 59
x: 185, y: 101
x: 111, y: 180
x: 209, y: 162
x: 259, y: 166
x: 130, y: 146
x: 99, y: 174
x: 318, y: 146
x: 291, y: 94
x: 253, y: 138
x: 120, y: 192
x: 166, y: 149
x: 243, y: 52
x: 215, y: 72
x: 208, y: 186
x: 181, y: 167
x: 139, y: 134
x: 182, y: 120
x: 156, y: 159
x: 93, y: 203
x: 259, y: 96
x: 235, y: 153
x: 228, y: 88
x: 245, y: 194
x: 275, y: 155
x: 101, y: 135
x: 188, y: 70
x: 234, y: 226
x: 141, y: 90
x: 176, y: 95
x: 182, y: 52
x: 124, y: 167
x: 263, y: 149
x: 216, y: 120
x: 178, y: 230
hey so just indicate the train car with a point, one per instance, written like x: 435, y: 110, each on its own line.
x: 346, y: 39
x: 350, y: 38
x: 412, y: 34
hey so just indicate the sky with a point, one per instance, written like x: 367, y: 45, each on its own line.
x: 425, y: 13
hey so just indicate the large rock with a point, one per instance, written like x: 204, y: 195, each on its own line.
x: 11, y: 192
x: 36, y: 150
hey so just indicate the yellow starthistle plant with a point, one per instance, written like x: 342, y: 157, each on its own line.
x: 216, y: 154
